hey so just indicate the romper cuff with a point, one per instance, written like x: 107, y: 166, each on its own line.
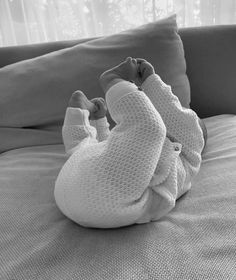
x: 76, y: 116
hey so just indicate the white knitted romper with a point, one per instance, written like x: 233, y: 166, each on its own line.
x: 135, y: 172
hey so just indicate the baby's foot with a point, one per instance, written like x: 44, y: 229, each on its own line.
x: 126, y: 70
x: 79, y: 100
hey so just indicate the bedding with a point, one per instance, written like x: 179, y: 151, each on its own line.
x: 197, y: 240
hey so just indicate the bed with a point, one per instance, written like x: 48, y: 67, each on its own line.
x: 197, y: 240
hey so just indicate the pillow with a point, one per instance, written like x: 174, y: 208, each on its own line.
x: 35, y: 92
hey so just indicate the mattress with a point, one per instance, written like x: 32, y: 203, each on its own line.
x: 196, y: 240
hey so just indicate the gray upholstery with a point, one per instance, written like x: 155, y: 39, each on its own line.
x: 197, y: 240
x: 211, y: 68
x: 210, y: 57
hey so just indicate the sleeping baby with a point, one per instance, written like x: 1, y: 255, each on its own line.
x: 135, y: 172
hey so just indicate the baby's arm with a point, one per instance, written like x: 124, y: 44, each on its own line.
x: 85, y: 119
x: 102, y: 127
x: 98, y: 118
x: 77, y: 129
x: 182, y: 124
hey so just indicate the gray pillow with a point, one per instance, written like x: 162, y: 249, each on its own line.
x: 35, y: 92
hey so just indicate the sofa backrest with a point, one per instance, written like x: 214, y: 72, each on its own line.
x: 210, y: 54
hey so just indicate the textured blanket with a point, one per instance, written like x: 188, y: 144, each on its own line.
x: 196, y: 240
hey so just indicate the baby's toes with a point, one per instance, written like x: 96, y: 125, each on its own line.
x: 130, y: 68
x: 127, y: 67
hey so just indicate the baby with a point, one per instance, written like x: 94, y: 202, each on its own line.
x: 134, y: 173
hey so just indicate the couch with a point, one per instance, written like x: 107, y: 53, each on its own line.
x: 196, y: 240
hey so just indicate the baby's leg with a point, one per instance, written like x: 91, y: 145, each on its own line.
x: 107, y: 184
x: 129, y: 159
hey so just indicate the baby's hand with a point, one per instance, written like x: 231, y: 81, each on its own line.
x: 126, y: 70
x: 97, y: 106
x: 100, y: 108
x: 145, y: 69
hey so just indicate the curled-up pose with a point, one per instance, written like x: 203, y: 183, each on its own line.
x: 135, y: 172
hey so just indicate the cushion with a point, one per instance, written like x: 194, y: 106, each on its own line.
x: 196, y: 240
x: 211, y: 56
x: 35, y: 92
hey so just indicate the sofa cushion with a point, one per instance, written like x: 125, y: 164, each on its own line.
x: 210, y: 53
x: 35, y: 92
x: 196, y: 240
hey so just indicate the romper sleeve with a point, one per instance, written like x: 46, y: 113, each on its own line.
x: 102, y: 127
x: 182, y: 124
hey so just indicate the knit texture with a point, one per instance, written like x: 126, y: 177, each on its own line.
x: 139, y: 168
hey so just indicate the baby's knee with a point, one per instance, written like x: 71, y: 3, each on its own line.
x: 156, y: 128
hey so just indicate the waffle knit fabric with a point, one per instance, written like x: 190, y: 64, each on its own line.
x: 135, y: 172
